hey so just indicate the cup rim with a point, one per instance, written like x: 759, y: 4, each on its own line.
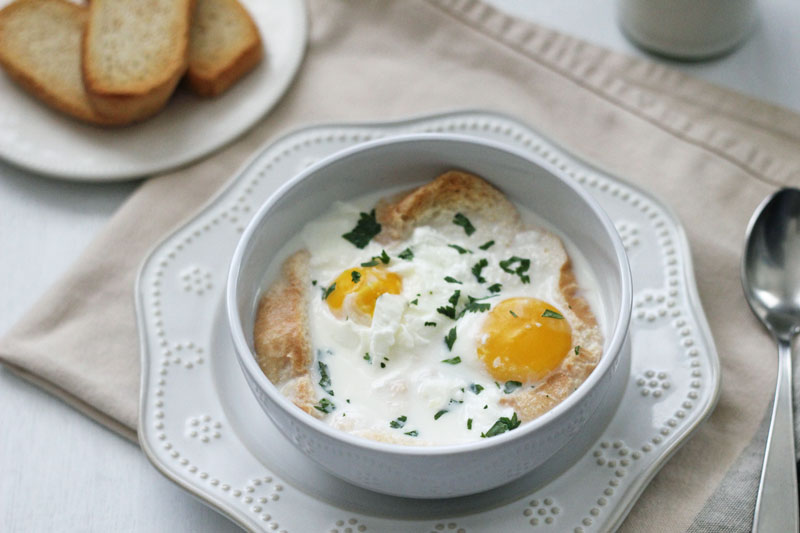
x: 249, y: 364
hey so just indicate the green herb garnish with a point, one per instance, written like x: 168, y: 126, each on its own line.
x: 577, y: 350
x: 502, y: 425
x: 412, y: 433
x: 511, y: 386
x: 384, y: 257
x: 524, y: 265
x: 513, y: 313
x: 399, y: 422
x: 415, y: 301
x: 474, y: 306
x: 486, y: 245
x: 450, y: 279
x: 430, y: 324
x: 459, y: 249
x: 477, y: 267
x: 406, y: 254
x: 495, y: 288
x: 325, y: 405
x: 461, y: 220
x: 355, y: 276
x: 439, y: 414
x: 327, y: 292
x: 452, y: 361
x: 469, y: 423
x: 450, y: 339
x: 548, y: 313
x: 370, y: 263
x: 324, y: 378
x: 366, y: 228
x: 475, y: 387
x: 368, y: 358
x: 450, y: 310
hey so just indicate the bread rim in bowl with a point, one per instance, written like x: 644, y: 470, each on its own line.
x: 438, y: 471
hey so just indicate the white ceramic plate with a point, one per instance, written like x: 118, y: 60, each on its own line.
x: 201, y: 427
x: 45, y: 141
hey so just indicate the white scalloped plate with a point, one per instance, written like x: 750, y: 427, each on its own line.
x: 37, y: 138
x: 201, y: 427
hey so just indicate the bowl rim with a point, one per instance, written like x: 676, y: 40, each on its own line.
x: 249, y: 364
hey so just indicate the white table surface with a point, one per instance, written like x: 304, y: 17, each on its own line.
x: 61, y: 471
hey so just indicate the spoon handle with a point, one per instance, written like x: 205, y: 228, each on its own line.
x: 776, y: 505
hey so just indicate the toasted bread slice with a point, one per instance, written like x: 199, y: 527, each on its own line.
x: 40, y: 48
x: 439, y: 200
x: 224, y: 45
x: 281, y: 333
x: 134, y: 53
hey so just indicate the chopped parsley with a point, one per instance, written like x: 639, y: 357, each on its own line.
x: 415, y: 301
x: 383, y: 258
x: 502, y: 425
x: 477, y: 267
x: 524, y: 265
x: 383, y: 365
x: 469, y: 423
x: 452, y: 361
x: 459, y: 249
x: 450, y: 339
x: 476, y: 387
x: 325, y: 405
x: 412, y: 433
x: 451, y: 279
x: 577, y: 350
x: 486, y: 245
x: 324, y: 378
x: 511, y: 386
x: 450, y: 310
x: 430, y: 324
x: 495, y: 288
x: 439, y: 414
x: 366, y: 228
x: 513, y: 313
x: 399, y: 422
x: 460, y: 220
x: 548, y: 313
x: 314, y: 282
x: 327, y: 292
x: 368, y: 358
x: 406, y: 254
x: 355, y: 276
x: 474, y: 306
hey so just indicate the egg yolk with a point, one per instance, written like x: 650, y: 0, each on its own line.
x: 524, y: 339
x: 357, y: 290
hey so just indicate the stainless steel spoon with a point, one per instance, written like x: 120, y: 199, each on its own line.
x: 771, y: 281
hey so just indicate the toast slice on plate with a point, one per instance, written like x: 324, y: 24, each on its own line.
x: 224, y: 45
x: 40, y: 48
x: 134, y: 53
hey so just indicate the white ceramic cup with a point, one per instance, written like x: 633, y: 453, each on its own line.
x: 687, y: 29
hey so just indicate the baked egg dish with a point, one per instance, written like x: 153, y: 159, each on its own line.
x: 437, y: 316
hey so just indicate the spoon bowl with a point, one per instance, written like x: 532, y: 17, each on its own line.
x: 771, y: 282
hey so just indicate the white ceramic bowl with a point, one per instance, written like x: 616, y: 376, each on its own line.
x: 452, y: 470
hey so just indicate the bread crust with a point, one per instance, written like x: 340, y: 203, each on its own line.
x: 70, y: 100
x: 208, y: 77
x: 439, y: 200
x: 281, y: 332
x: 134, y: 101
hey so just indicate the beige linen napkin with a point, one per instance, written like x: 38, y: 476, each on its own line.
x: 710, y: 154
